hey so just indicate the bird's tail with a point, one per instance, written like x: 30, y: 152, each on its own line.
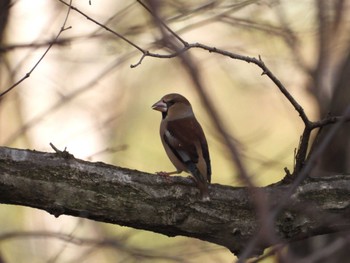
x: 202, y: 182
x: 204, y: 190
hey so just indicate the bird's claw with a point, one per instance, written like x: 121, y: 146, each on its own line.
x: 163, y: 174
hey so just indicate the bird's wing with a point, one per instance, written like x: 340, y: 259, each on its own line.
x: 186, y: 139
x: 179, y: 137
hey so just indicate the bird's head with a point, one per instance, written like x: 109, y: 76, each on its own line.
x: 173, y: 106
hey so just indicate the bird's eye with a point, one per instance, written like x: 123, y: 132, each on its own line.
x: 170, y: 102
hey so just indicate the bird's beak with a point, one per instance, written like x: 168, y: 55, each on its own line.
x: 160, y: 106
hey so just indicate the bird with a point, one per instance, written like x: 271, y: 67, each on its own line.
x: 184, y: 141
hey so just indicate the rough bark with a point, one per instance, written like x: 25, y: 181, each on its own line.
x: 61, y: 184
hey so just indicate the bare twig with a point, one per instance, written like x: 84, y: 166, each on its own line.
x: 103, y: 26
x: 65, y: 154
x: 27, y: 75
x: 57, y: 42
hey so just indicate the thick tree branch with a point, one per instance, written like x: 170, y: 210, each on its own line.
x: 169, y: 206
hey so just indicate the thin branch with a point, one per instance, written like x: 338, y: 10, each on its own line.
x: 27, y: 75
x: 103, y: 26
x: 160, y: 21
x: 57, y: 42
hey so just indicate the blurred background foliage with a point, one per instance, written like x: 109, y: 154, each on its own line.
x: 85, y: 96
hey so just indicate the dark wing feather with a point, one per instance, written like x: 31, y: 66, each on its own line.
x: 206, y: 157
x: 185, y: 133
x: 205, y: 151
x: 181, y: 140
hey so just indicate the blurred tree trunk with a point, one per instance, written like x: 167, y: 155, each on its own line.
x: 10, y: 105
x: 335, y: 159
x: 4, y: 14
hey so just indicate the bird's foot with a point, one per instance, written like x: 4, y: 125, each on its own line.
x: 163, y: 174
x: 167, y: 173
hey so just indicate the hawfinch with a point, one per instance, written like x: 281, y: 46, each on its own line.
x: 184, y: 140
